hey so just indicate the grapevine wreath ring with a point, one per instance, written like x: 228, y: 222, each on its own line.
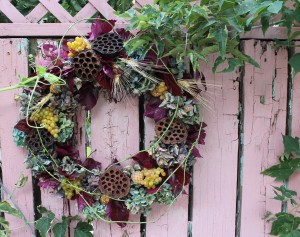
x: 74, y: 74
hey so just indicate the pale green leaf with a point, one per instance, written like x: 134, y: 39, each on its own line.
x: 275, y: 7
x: 7, y: 208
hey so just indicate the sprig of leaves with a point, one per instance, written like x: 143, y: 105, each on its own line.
x: 187, y: 29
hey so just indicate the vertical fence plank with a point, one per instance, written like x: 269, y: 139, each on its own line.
x: 115, y: 135
x: 50, y: 200
x: 13, y: 61
x: 164, y: 220
x: 214, y: 178
x: 265, y: 91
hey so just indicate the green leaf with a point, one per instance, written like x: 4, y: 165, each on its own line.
x: 217, y: 63
x: 265, y: 21
x: 51, y: 78
x: 83, y: 229
x: 222, y: 36
x: 285, y: 224
x: 41, y: 71
x: 59, y: 229
x: 244, y: 57
x: 275, y: 7
x: 7, y: 208
x: 232, y: 64
x: 291, y: 144
x: 5, y: 231
x: 295, y: 62
x: 22, y: 181
x: 44, y: 223
x: 283, y: 170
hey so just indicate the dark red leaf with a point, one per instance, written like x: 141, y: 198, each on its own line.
x: 23, y: 126
x: 90, y: 164
x: 160, y: 113
x: 145, y: 160
x: 172, y: 85
x: 124, y: 34
x: 179, y: 179
x: 193, y: 134
x: 67, y: 150
x: 88, y: 96
x: 117, y: 211
x: 100, y: 27
x: 83, y: 200
x: 196, y: 153
x: 48, y: 183
x: 104, y: 82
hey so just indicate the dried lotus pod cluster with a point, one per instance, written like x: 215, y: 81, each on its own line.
x: 108, y: 45
x: 87, y: 65
x: 177, y: 133
x: 37, y: 140
x: 114, y: 183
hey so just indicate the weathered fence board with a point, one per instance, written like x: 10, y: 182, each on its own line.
x: 13, y: 60
x: 265, y: 100
x: 214, y: 178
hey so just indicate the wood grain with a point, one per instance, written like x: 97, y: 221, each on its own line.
x: 265, y: 91
x: 13, y: 61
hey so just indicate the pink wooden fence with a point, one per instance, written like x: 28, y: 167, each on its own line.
x: 249, y: 111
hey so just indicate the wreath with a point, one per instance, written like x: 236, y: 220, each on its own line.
x: 74, y: 74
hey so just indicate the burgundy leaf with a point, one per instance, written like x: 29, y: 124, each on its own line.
x: 104, y: 82
x: 193, y: 134
x: 179, y: 179
x: 83, y: 200
x: 67, y: 150
x: 48, y: 50
x: 145, y: 160
x: 117, y: 211
x: 88, y: 96
x: 108, y: 71
x: 124, y: 34
x: 23, y: 126
x: 151, y: 106
x: 48, y: 183
x: 160, y: 113
x: 195, y: 152
x: 90, y: 164
x: 100, y: 27
x: 171, y: 83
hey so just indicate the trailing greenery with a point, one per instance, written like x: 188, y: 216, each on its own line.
x: 187, y: 29
x: 286, y: 224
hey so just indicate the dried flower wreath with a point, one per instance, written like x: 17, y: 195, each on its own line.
x: 74, y: 74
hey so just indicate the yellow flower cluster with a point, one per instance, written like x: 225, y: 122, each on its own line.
x: 78, y: 45
x: 160, y: 90
x: 149, y: 178
x: 69, y: 190
x: 104, y: 199
x: 48, y: 119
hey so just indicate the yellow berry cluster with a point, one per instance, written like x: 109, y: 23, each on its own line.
x: 78, y: 45
x: 160, y: 90
x: 47, y: 118
x: 104, y: 199
x: 69, y: 190
x: 149, y: 178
